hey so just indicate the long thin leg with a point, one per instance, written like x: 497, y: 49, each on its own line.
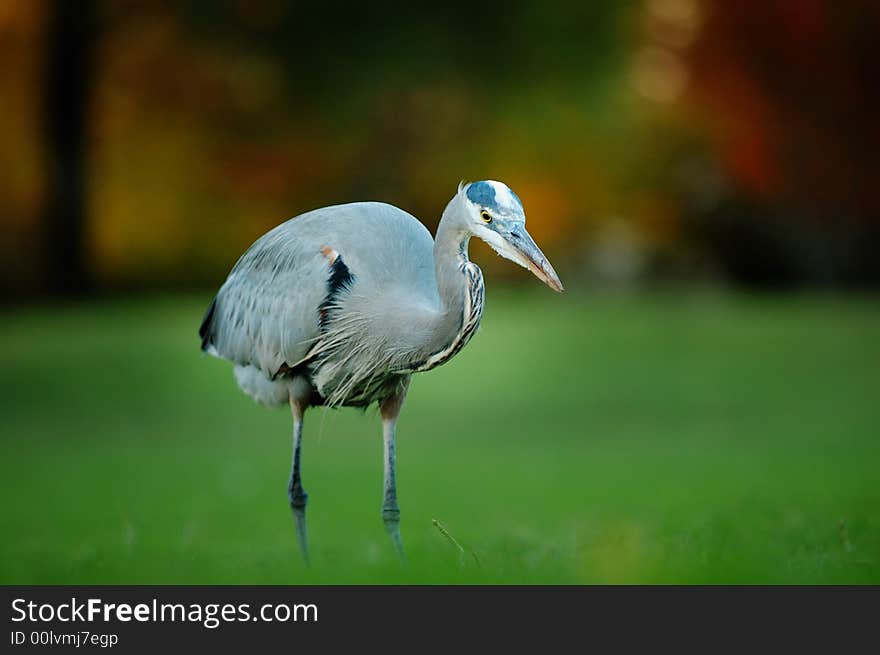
x: 295, y: 492
x: 390, y: 409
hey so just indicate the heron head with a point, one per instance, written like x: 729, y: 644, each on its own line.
x: 496, y: 215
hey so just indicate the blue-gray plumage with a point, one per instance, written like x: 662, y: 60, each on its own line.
x: 341, y: 305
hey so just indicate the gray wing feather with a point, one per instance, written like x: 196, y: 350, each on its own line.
x: 266, y: 314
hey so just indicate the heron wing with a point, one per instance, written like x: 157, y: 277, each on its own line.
x: 268, y: 313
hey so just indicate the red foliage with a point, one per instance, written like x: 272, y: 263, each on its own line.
x: 791, y: 91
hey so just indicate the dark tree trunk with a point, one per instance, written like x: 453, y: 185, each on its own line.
x: 67, y: 79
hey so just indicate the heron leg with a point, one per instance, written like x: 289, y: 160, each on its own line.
x: 295, y: 492
x: 390, y: 409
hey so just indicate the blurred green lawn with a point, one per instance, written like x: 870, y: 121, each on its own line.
x: 577, y: 439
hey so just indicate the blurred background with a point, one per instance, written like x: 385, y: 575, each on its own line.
x: 145, y: 143
x: 702, y: 173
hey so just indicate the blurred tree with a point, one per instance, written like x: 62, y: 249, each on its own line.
x: 67, y: 78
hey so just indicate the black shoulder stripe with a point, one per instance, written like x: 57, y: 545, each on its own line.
x: 340, y: 278
x: 205, y: 327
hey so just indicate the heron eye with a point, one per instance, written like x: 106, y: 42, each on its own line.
x: 486, y: 216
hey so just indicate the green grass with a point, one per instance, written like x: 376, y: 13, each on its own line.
x: 577, y: 439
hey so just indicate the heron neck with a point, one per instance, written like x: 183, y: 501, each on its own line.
x: 450, y: 256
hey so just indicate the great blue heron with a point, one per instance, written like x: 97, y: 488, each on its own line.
x: 341, y: 305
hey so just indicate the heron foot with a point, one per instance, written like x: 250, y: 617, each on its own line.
x: 391, y: 519
x: 298, y: 499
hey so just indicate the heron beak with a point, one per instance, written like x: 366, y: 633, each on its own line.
x: 530, y: 256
